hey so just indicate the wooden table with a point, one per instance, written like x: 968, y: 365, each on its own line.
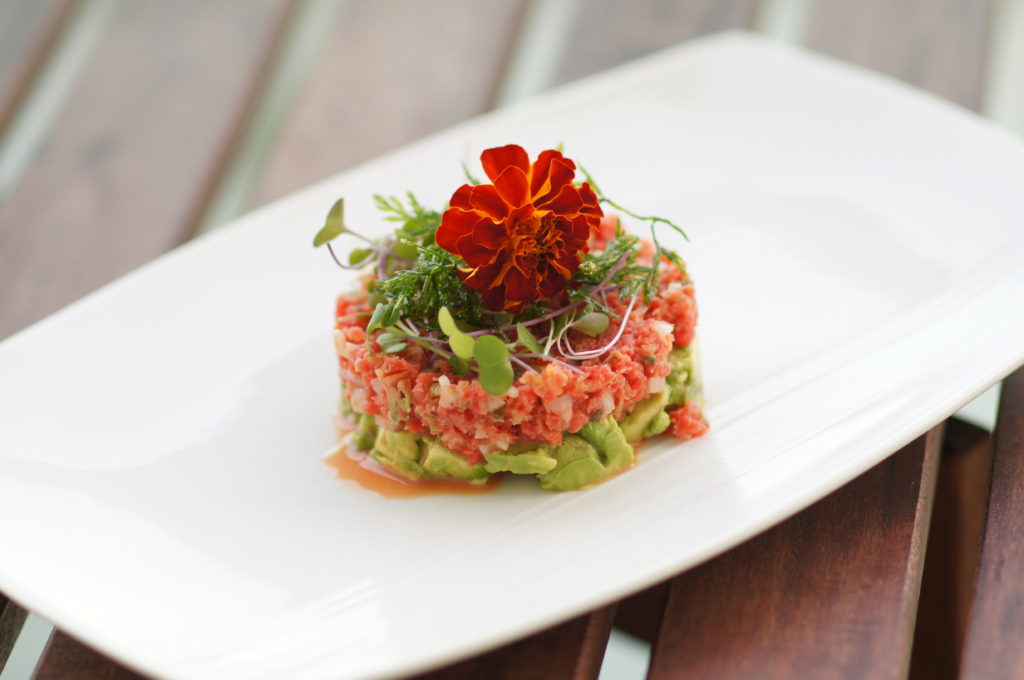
x: 129, y: 125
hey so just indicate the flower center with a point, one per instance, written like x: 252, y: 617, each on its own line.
x: 535, y: 236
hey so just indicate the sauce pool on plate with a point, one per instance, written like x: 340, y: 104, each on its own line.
x: 357, y: 467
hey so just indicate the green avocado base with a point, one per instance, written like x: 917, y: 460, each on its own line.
x: 599, y: 450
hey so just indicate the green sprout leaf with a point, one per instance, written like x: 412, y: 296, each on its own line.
x: 382, y: 317
x: 388, y: 338
x: 497, y: 379
x: 334, y: 226
x: 459, y: 365
x: 528, y: 339
x: 394, y: 348
x: 462, y: 344
x: 490, y: 351
x: 591, y: 323
x: 359, y: 255
x: 496, y: 374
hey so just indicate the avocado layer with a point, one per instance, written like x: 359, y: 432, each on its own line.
x: 600, y: 449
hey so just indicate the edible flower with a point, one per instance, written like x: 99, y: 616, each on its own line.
x: 523, y: 235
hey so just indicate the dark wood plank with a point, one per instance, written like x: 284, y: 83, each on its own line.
x: 571, y: 651
x: 135, y: 151
x: 12, y: 618
x: 830, y: 593
x: 64, y: 657
x: 954, y: 542
x: 995, y: 636
x: 938, y: 45
x: 640, y: 614
x: 27, y: 32
x: 609, y: 32
x: 394, y: 71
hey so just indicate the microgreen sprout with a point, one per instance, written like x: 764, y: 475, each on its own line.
x: 418, y: 297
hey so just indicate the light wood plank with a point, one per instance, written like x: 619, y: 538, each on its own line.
x: 28, y: 30
x: 136, y: 149
x: 938, y: 45
x: 609, y: 32
x: 393, y: 72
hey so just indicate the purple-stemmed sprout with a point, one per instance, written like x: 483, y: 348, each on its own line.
x: 516, y: 360
x: 594, y: 353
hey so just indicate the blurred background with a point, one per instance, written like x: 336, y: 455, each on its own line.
x: 128, y: 127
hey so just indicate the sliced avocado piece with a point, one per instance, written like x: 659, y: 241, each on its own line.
x: 345, y: 406
x: 643, y: 413
x: 695, y: 381
x: 440, y: 462
x: 607, y: 437
x: 681, y: 362
x: 658, y: 425
x: 365, y: 433
x: 399, y: 452
x: 533, y: 462
x: 578, y: 466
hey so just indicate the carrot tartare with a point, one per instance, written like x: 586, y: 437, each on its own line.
x: 521, y: 331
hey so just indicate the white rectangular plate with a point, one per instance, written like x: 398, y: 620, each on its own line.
x: 856, y: 247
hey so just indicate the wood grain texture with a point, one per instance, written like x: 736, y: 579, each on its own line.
x: 136, y: 149
x: 64, y: 657
x: 12, y: 618
x: 609, y: 32
x: 830, y: 593
x: 640, y: 614
x: 393, y: 71
x: 938, y: 45
x: 28, y: 29
x: 954, y: 542
x: 571, y: 651
x: 995, y: 636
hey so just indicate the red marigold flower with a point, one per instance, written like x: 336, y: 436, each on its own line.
x: 521, y: 236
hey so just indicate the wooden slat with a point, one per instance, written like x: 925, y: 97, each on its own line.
x: 135, y: 151
x: 571, y: 651
x: 951, y: 558
x: 65, y: 657
x: 829, y: 593
x: 12, y: 617
x: 27, y: 32
x: 938, y: 45
x: 394, y: 71
x: 995, y: 636
x: 609, y: 32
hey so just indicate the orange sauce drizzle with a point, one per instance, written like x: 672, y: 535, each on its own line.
x: 357, y: 467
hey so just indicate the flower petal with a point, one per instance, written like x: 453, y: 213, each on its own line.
x: 490, y: 235
x: 474, y: 254
x: 494, y: 298
x: 513, y: 187
x: 540, y: 172
x: 454, y: 224
x: 481, y: 278
x: 519, y: 286
x: 485, y: 198
x: 591, y: 205
x: 551, y: 281
x: 497, y: 160
x: 567, y: 202
x: 560, y: 174
x: 460, y: 199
